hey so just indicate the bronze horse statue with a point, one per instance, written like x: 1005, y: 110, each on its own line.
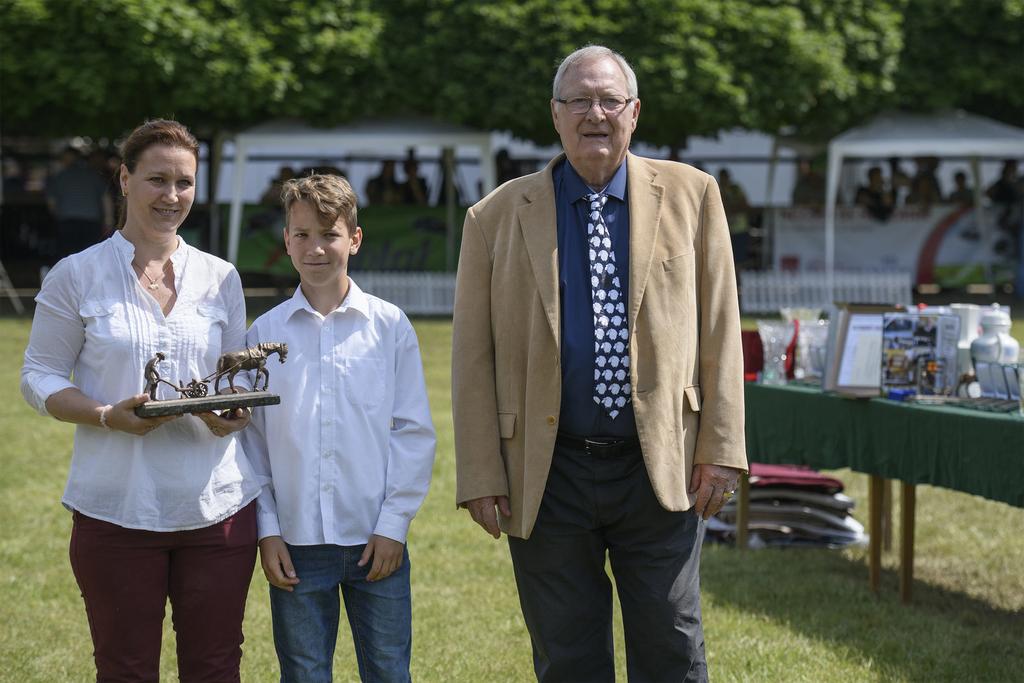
x: 252, y: 358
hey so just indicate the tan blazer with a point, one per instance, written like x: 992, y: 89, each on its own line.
x: 686, y: 359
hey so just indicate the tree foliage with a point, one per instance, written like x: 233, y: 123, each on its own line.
x: 702, y: 66
x: 103, y: 67
x: 810, y: 66
x: 966, y: 54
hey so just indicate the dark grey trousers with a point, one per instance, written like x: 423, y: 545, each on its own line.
x: 594, y: 507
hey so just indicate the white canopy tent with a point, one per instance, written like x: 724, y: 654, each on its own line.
x: 950, y: 134
x: 374, y: 137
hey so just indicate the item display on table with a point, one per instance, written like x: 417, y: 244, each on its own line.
x: 919, y: 352
x: 1020, y: 387
x: 792, y: 505
x: 994, y: 344
x: 776, y: 336
x: 853, y: 353
x: 811, y: 338
x: 924, y: 355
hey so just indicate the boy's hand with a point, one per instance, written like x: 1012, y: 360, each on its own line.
x: 387, y: 557
x: 229, y: 422
x: 277, y: 563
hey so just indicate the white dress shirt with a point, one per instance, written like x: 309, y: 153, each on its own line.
x: 95, y: 328
x: 350, y: 449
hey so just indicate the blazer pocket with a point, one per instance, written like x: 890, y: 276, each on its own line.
x: 678, y: 261
x: 506, y: 425
x: 692, y: 394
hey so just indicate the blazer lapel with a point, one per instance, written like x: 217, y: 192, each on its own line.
x: 538, y: 222
x: 645, y: 198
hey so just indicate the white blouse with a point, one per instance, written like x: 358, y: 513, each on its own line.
x: 95, y: 328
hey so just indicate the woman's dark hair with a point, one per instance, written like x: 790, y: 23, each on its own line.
x: 155, y: 132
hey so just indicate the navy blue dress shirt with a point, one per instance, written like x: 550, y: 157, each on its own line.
x: 580, y: 414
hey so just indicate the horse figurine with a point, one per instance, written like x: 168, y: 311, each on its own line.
x: 252, y: 358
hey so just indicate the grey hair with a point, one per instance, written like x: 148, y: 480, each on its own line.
x: 590, y: 53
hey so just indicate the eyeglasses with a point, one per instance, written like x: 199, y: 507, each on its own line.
x: 582, y: 105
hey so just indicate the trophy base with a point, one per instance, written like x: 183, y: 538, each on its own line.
x: 180, y: 406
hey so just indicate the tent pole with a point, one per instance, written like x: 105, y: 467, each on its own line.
x: 238, y: 185
x: 770, y: 182
x: 981, y: 221
x: 448, y: 159
x: 835, y: 160
x: 487, y: 165
x: 213, y: 159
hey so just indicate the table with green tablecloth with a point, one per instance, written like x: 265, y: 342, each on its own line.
x: 963, y: 449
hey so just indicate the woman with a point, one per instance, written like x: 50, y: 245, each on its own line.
x: 162, y: 507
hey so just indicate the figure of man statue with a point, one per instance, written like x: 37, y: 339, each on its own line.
x: 151, y: 376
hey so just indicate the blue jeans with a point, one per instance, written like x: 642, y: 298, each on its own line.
x: 306, y: 620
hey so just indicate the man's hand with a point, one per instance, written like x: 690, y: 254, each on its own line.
x: 711, y: 483
x: 482, y: 512
x: 386, y: 554
x: 277, y: 563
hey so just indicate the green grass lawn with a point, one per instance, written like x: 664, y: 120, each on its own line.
x: 771, y: 615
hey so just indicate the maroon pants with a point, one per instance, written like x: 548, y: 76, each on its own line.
x: 127, y: 575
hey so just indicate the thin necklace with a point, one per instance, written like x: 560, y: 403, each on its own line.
x: 153, y: 284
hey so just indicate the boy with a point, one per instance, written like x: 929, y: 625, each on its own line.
x: 347, y: 456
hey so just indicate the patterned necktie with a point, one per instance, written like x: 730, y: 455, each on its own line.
x: 611, y: 329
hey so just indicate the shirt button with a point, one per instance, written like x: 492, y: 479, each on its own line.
x: 551, y: 419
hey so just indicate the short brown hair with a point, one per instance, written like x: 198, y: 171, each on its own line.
x: 330, y: 195
x: 150, y: 133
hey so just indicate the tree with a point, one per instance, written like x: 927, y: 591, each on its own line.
x: 810, y: 67
x: 102, y: 68
x: 963, y: 54
x: 702, y: 66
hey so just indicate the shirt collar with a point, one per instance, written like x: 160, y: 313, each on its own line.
x: 576, y: 187
x: 355, y: 299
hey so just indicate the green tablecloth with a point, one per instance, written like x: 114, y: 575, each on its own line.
x: 958, y: 448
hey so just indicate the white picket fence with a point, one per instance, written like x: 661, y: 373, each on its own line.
x: 769, y: 291
x: 414, y: 293
x: 761, y: 291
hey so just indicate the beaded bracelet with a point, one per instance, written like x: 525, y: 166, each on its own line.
x: 104, y: 411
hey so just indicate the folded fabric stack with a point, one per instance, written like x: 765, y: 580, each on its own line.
x: 792, y: 506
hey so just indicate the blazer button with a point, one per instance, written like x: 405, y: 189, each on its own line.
x: 551, y: 419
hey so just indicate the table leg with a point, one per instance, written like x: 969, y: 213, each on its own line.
x: 907, y: 543
x: 887, y: 515
x: 742, y: 511
x: 875, y: 532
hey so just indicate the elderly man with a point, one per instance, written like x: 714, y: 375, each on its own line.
x: 597, y: 384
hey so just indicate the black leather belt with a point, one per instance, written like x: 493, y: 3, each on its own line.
x: 599, y: 447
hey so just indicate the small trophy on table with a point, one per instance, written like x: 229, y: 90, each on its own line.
x: 195, y: 396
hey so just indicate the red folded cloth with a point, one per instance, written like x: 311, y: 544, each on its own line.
x: 794, y: 476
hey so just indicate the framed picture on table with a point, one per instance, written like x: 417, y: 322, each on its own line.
x: 1013, y: 380
x: 993, y: 380
x: 853, y: 356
